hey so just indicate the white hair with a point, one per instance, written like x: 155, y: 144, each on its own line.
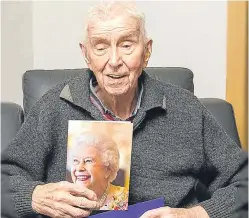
x: 107, y: 148
x: 105, y: 10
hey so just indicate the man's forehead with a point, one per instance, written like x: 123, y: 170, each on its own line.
x: 121, y: 24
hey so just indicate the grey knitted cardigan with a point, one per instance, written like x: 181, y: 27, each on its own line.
x: 177, y: 147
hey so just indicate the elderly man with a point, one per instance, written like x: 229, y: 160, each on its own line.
x: 177, y: 144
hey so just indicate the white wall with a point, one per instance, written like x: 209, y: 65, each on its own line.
x: 16, y: 47
x: 192, y: 35
x: 187, y: 34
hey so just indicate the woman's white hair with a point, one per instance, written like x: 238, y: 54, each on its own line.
x: 106, y: 9
x: 107, y: 148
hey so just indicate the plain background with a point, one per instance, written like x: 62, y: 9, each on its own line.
x: 46, y: 35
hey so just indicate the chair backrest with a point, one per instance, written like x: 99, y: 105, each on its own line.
x: 11, y: 121
x: 37, y: 82
x: 224, y: 114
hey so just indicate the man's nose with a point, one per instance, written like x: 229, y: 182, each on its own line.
x: 115, y: 59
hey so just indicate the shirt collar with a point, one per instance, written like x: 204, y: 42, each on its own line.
x: 93, y: 84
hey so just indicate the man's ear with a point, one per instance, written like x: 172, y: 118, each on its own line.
x: 84, y: 53
x: 148, y: 51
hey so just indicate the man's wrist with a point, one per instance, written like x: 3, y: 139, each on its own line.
x: 198, y: 212
x: 34, y: 203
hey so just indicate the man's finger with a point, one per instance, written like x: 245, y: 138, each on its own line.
x: 83, y: 202
x: 50, y: 209
x: 155, y: 213
x: 77, y: 190
x: 76, y: 201
x: 74, y: 211
x: 61, y: 209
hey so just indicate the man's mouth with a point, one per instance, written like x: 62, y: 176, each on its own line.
x: 83, y: 178
x: 114, y: 76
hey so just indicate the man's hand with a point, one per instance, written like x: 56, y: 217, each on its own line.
x: 63, y: 199
x: 167, y: 212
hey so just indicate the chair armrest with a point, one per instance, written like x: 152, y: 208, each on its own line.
x: 11, y: 121
x: 224, y: 114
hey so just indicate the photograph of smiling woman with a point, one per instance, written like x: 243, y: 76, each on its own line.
x: 94, y: 162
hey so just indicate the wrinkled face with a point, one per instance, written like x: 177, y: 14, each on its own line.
x: 116, y: 52
x: 87, y: 168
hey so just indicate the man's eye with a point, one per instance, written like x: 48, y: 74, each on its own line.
x: 100, y: 47
x: 126, y: 45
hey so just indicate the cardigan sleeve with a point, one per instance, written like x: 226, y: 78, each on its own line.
x: 229, y: 163
x: 23, y: 164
